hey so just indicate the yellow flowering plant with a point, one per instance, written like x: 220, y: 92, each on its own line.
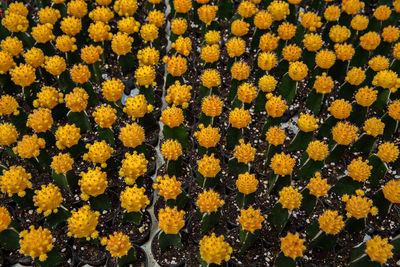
x: 209, y: 205
x: 250, y: 225
x: 171, y: 221
x: 170, y: 189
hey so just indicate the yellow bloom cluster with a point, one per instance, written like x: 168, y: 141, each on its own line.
x: 12, y: 45
x: 239, y: 27
x: 178, y: 94
x: 352, y: 7
x: 8, y: 105
x: 132, y: 135
x: 340, y: 109
x: 358, y: 206
x: 292, y: 245
x: 297, y: 70
x: 307, y: 122
x: 388, y: 152
x: 133, y: 166
x: 48, y: 97
x: 121, y: 43
x: 100, y: 32
x: 210, y: 78
x: 382, y: 12
x: 171, y: 220
x: 344, y: 51
x: 282, y: 164
x: 390, y: 34
x: 77, y: 100
x: 279, y: 10
x: 244, y: 153
x: 36, y: 242
x: 339, y: 34
x: 374, y: 127
x: 378, y: 63
x: 312, y: 42
x: 128, y: 25
x: 77, y: 8
x: 212, y: 106
x: 235, y: 47
x: 67, y: 136
x: 267, y: 83
x: 176, y: 65
x: 171, y: 149
x: 148, y: 56
x: 80, y: 73
x: 149, y: 32
x: 125, y: 7
x: 266, y: 61
x: 344, y: 133
x: 40, y: 120
x: 207, y: 13
x: 43, y: 33
x: 207, y: 136
x: 391, y: 191
x: 331, y: 222
x: 325, y: 59
x: 247, y: 9
x: 47, y: 199
x: 23, y: 75
x: 286, y: 30
x: 71, y: 26
x: 112, y: 89
x: 179, y: 26
x: 332, y: 13
x: 317, y: 186
x: 117, y: 244
x: 15, y: 181
x: 239, y: 118
x: 62, y: 163
x: 93, y: 183
x: 8, y: 134
x: 366, y: 96
x: 49, y: 15
x: 209, y: 201
x: 83, y: 223
x: 214, y: 249
x: 359, y: 170
x: 317, y: 150
x: 55, y: 65
x: 210, y: 53
x: 99, y: 152
x: 359, y: 23
x: 134, y: 199
x: 275, y: 136
x: 250, y: 219
x: 246, y: 92
x: 290, y: 198
x: 29, y: 146
x: 268, y: 42
x: 91, y: 54
x: 156, y: 17
x: 387, y: 79
x: 370, y: 41
x: 101, y: 13
x: 246, y: 183
x: 310, y: 21
x: 291, y: 52
x: 394, y: 110
x: 137, y: 106
x: 172, y: 116
x: 378, y: 249
x: 169, y: 187
x: 6, y: 62
x: 5, y: 219
x: 209, y: 166
x: 105, y: 116
x: 263, y: 20
x: 240, y: 71
x: 212, y: 37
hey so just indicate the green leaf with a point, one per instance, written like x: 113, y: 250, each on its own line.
x: 360, y: 57
x: 326, y: 127
x: 346, y: 91
x: 300, y: 142
x: 65, y: 82
x: 93, y: 101
x: 283, y: 261
x: 336, y: 153
x: 80, y: 119
x: 271, y: 121
x: 309, y: 169
x: 205, y: 120
x: 61, y: 180
x: 56, y: 219
x: 247, y: 239
x: 9, y: 239
x: 174, y: 167
x: 365, y: 262
x: 396, y: 245
x: 233, y: 89
x: 128, y: 258
x: 358, y: 251
x: 277, y: 182
x: 338, y: 70
x: 244, y: 201
x: 314, y: 101
x: 287, y: 88
x: 19, y: 121
x: 381, y: 102
x: 236, y: 167
x: 378, y: 172
x: 207, y: 183
x: 25, y: 202
x: 126, y: 62
x: 166, y: 240
x: 202, y: 262
x: 54, y: 258
x: 364, y: 144
x: 358, y: 113
x: 346, y: 185
x: 391, y: 126
x: 107, y: 135
x: 233, y: 136
x: 308, y: 202
x: 355, y: 226
x: 278, y: 217
x: 132, y: 217
x: 382, y: 204
x: 179, y: 202
x: 101, y: 202
x: 178, y: 133
x: 313, y: 230
x: 208, y: 221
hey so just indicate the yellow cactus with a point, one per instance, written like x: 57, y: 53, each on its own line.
x: 387, y: 79
x: 207, y: 13
x: 6, y: 62
x: 282, y: 164
x: 179, y: 26
x: 244, y: 153
x: 266, y: 61
x: 55, y: 65
x: 352, y: 7
x: 214, y: 249
x: 359, y: 170
x: 370, y: 41
x: 171, y: 220
x: 5, y: 218
x: 317, y: 150
x: 247, y: 9
x: 134, y: 199
x: 263, y: 20
x: 246, y: 183
x: 29, y: 146
x: 382, y: 12
x: 209, y: 201
x: 137, y: 106
x: 176, y: 65
x: 286, y: 30
x: 49, y: 15
x: 297, y: 70
x: 268, y: 42
x: 8, y: 134
x: 171, y: 149
x: 91, y: 54
x: 93, y: 183
x: 182, y: 6
x: 207, y: 136
x: 133, y: 166
x: 307, y: 122
x: 100, y: 32
x: 239, y: 118
x: 71, y: 26
x: 310, y: 21
x: 15, y: 181
x: 291, y: 52
x: 156, y: 17
x: 125, y: 7
x: 239, y: 27
x: 62, y: 163
x: 325, y: 59
x: 48, y: 97
x: 317, y: 186
x: 210, y: 53
x: 67, y: 136
x: 121, y: 43
x: 101, y: 13
x: 80, y: 73
x: 83, y: 223
x: 267, y: 83
x: 391, y: 191
x: 148, y: 56
x: 77, y: 100
x: 366, y: 96
x: 12, y: 45
x: 292, y: 246
x: 212, y: 106
x: 378, y: 249
x: 210, y: 78
x: 43, y: 33
x: 117, y: 244
x: 331, y: 222
x: 172, y: 116
x: 36, y: 242
x: 344, y: 51
x: 246, y: 92
x: 235, y: 47
x: 240, y: 71
x: 390, y: 34
x: 128, y: 25
x: 23, y: 75
x: 339, y: 34
x: 132, y: 135
x: 275, y: 136
x: 358, y: 206
x: 344, y: 133
x: 378, y: 63
x: 332, y: 13
x: 388, y: 152
x: 178, y: 94
x: 209, y: 166
x: 77, y: 8
x: 40, y: 120
x: 359, y: 23
x: 312, y: 42
x: 169, y: 187
x: 105, y: 116
x: 99, y: 152
x: 47, y: 199
x: 374, y: 127
x: 290, y: 198
x: 149, y: 32
x: 112, y: 89
x: 250, y: 219
x: 340, y: 109
x: 212, y: 37
x: 279, y: 10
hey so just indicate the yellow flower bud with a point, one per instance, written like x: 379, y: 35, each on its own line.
x: 47, y: 199
x: 250, y: 220
x: 209, y: 166
x: 339, y: 34
x: 43, y: 33
x: 101, y: 13
x: 49, y: 15
x: 179, y: 26
x: 182, y: 6
x: 171, y: 220
x: 394, y: 110
x: 125, y: 7
x: 317, y: 186
x: 247, y: 9
x: 149, y: 32
x: 93, y: 183
x: 128, y: 25
x: 145, y: 76
x: 246, y: 183
x: 210, y: 78
x: 207, y: 13
x: 312, y: 42
x: 67, y: 136
x: 282, y: 164
x: 246, y: 92
x: 340, y: 109
x: 55, y: 65
x: 275, y: 106
x: 352, y: 7
x: 287, y: 31
x: 178, y: 94
x: 15, y: 181
x: 176, y: 65
x: 183, y: 45
x: 297, y: 70
x: 6, y: 62
x: 391, y: 191
x: 210, y: 53
x: 77, y: 100
x: 100, y: 32
x: 209, y: 201
x: 214, y: 249
x: 239, y: 118
x: 291, y: 52
x: 279, y: 10
x: 374, y: 127
x: 169, y: 187
x: 307, y: 122
x: 77, y: 8
x: 23, y: 75
x: 212, y: 37
x: 359, y: 170
x: 370, y: 41
x: 171, y: 149
x: 378, y: 249
x: 382, y: 12
x: 388, y: 152
x: 91, y: 54
x: 8, y: 105
x: 65, y: 43
x: 29, y: 146
x: 117, y: 244
x: 268, y: 42
x: 390, y: 34
x: 331, y: 222
x: 332, y: 13
x: 235, y: 47
x: 239, y: 27
x: 355, y: 76
x: 317, y: 150
x: 12, y: 45
x: 366, y: 96
x: 71, y: 26
x: 240, y: 71
x: 387, y: 79
x: 325, y: 59
x: 212, y: 106
x: 137, y: 106
x: 266, y: 61
x: 82, y: 223
x: 344, y: 133
x: 275, y: 136
x: 172, y: 116
x: 99, y: 152
x: 62, y: 163
x: 344, y: 51
x: 207, y: 137
x: 133, y: 166
x: 148, y: 56
x: 359, y: 23
x: 36, y: 242
x: 132, y: 135
x: 244, y: 153
x: 263, y: 20
x: 310, y: 21
x: 267, y: 83
x: 292, y: 246
x: 358, y: 206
